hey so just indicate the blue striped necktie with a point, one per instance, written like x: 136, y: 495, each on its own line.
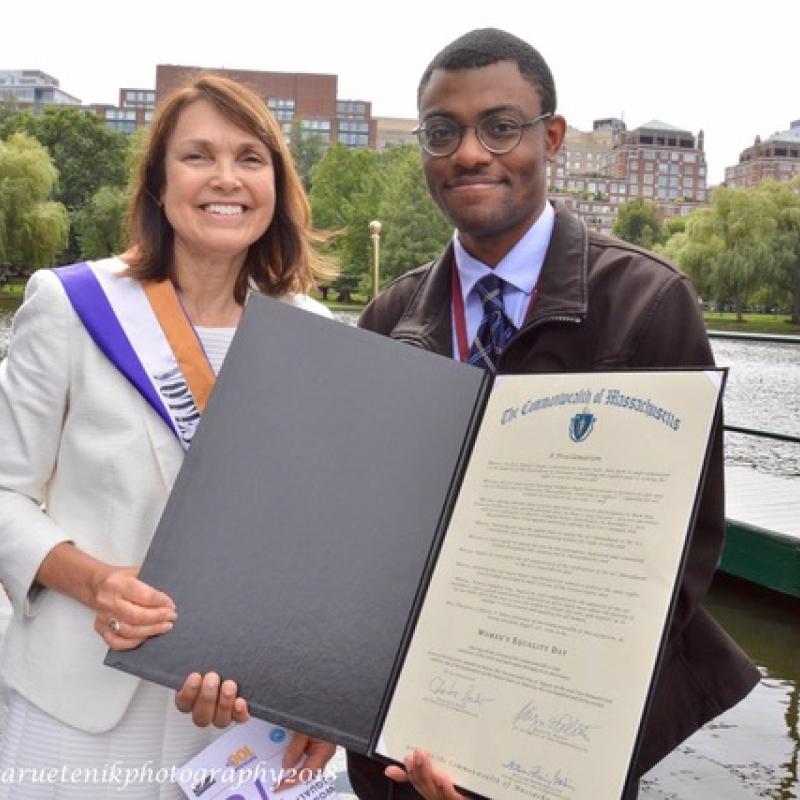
x: 495, y: 329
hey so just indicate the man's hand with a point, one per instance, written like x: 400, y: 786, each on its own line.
x: 211, y: 702
x: 317, y: 753
x: 430, y: 783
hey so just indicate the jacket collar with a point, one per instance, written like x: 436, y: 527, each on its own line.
x: 562, y: 288
x: 563, y: 280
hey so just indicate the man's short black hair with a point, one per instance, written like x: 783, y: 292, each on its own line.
x: 485, y: 46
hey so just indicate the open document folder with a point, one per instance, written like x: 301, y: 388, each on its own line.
x: 388, y: 549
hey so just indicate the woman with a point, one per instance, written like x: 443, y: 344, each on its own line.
x: 107, y: 374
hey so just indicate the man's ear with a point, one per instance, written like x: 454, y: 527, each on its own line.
x: 554, y: 134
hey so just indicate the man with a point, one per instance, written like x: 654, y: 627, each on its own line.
x: 568, y: 300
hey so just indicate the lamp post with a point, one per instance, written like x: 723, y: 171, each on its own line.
x: 375, y: 235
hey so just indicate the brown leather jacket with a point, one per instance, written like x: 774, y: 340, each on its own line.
x: 602, y: 304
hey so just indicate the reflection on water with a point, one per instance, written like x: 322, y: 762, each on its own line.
x: 763, y: 392
x: 751, y: 751
x: 7, y: 308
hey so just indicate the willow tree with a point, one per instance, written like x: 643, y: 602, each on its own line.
x: 33, y: 228
x: 729, y: 248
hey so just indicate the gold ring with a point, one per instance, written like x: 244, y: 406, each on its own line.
x: 114, y: 626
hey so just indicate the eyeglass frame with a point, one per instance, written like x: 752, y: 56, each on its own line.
x: 477, y: 128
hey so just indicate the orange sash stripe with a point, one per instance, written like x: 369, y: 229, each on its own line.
x: 182, y: 339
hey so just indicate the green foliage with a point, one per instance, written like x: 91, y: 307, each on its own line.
x: 99, y: 224
x: 785, y: 199
x: 86, y: 154
x: 637, y: 223
x: 307, y: 151
x: 745, y: 247
x: 345, y: 191
x: 413, y: 229
x: 33, y: 230
x: 351, y: 187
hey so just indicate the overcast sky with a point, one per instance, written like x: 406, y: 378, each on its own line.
x: 728, y: 68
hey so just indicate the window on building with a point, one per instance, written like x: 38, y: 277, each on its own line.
x: 316, y: 127
x: 647, y: 191
x: 281, y: 104
x: 648, y: 179
x: 649, y: 155
x: 690, y: 157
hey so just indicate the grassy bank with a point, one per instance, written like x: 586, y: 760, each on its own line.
x: 753, y: 323
x: 12, y: 290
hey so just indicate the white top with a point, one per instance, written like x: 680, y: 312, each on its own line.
x: 216, y: 342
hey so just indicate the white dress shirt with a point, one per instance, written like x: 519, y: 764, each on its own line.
x: 519, y: 269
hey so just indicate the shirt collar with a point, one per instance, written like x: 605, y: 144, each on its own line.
x: 520, y: 267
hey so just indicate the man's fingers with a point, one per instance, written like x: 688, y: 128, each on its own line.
x: 319, y: 754
x: 295, y: 749
x: 186, y: 696
x: 241, y: 713
x: 224, y: 711
x: 397, y: 774
x: 206, y: 703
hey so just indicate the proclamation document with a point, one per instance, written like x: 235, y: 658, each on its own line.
x: 532, y: 658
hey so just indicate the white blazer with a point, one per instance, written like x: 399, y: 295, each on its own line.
x: 83, y: 458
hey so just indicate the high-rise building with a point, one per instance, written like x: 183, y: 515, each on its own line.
x: 777, y: 157
x: 32, y: 87
x: 597, y: 171
x: 661, y: 163
x: 305, y: 100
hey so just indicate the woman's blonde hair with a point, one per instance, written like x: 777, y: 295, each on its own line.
x: 283, y: 259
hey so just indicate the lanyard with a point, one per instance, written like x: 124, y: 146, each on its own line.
x: 460, y: 314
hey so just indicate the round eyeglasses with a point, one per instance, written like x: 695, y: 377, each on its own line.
x: 497, y: 133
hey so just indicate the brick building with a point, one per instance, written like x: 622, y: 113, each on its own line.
x: 134, y: 110
x: 597, y: 171
x: 306, y: 99
x: 777, y: 157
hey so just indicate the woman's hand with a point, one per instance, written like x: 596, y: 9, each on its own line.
x: 210, y: 702
x: 430, y: 783
x: 128, y: 611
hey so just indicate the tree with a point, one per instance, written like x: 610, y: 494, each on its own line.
x: 86, y: 154
x: 99, y: 224
x: 346, y: 186
x: 729, y: 247
x: 637, y: 223
x: 414, y: 230
x: 307, y: 150
x: 33, y: 230
x: 785, y: 200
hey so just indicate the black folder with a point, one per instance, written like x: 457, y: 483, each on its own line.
x: 304, y: 526
x: 308, y: 509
